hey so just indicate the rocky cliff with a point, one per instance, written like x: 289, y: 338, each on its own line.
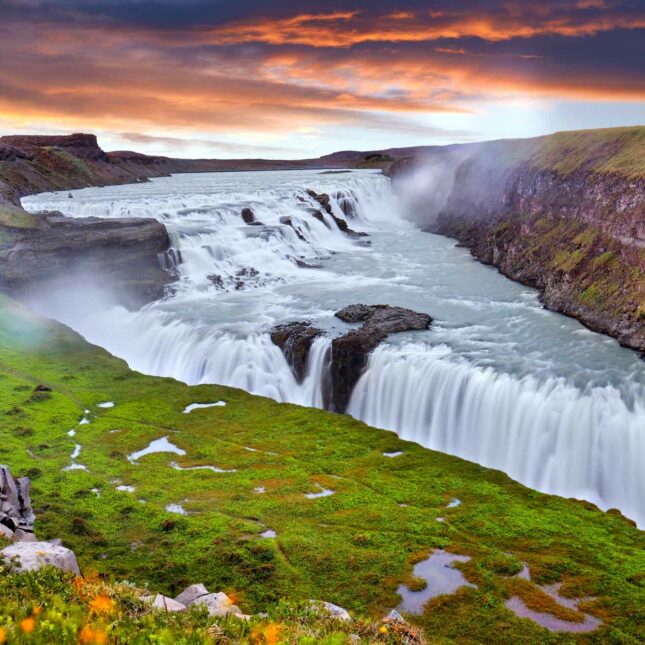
x: 563, y: 213
x: 35, y: 249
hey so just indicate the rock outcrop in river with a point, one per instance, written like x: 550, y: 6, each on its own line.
x: 349, y: 352
x: 563, y: 213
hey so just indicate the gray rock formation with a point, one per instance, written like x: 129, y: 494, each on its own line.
x: 166, y: 604
x: 323, y: 607
x: 125, y: 253
x: 349, y: 353
x: 218, y: 604
x: 31, y: 556
x: 16, y: 515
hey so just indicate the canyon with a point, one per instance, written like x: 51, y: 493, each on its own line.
x: 236, y: 284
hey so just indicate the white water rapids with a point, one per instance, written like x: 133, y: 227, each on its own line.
x: 497, y: 379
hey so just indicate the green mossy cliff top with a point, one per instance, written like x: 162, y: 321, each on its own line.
x: 609, y: 150
x: 353, y: 548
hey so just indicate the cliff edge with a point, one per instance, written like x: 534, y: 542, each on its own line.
x: 563, y: 213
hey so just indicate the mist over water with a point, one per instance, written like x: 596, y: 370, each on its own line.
x: 497, y: 379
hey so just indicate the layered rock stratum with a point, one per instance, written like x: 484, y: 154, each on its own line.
x: 563, y: 213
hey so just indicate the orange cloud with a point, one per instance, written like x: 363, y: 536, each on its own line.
x: 353, y: 28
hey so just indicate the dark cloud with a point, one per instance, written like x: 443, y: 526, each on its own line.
x: 251, y: 66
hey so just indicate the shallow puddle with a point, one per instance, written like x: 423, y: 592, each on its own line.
x: 107, y: 405
x: 203, y: 406
x: 213, y: 469
x: 159, y: 445
x: 553, y: 624
x: 441, y: 578
x: 324, y: 492
x: 176, y: 508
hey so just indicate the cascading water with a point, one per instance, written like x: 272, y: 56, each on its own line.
x: 497, y: 380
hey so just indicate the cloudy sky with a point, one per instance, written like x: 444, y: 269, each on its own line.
x: 286, y: 79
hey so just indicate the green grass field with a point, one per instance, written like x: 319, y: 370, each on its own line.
x: 353, y: 548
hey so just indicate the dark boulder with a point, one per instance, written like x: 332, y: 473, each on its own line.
x: 249, y: 217
x: 295, y: 340
x: 350, y: 352
x: 287, y: 221
x: 384, y: 317
x: 323, y: 199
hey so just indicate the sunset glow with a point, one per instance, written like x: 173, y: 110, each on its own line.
x: 238, y: 79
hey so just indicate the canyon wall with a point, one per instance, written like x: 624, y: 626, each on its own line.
x: 36, y: 249
x: 563, y: 213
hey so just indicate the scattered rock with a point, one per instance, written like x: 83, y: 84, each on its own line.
x: 167, y: 604
x: 190, y: 594
x: 218, y: 604
x: 329, y: 608
x: 287, y: 221
x: 31, y: 556
x: 394, y: 617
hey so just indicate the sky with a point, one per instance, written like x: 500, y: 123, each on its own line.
x: 287, y: 79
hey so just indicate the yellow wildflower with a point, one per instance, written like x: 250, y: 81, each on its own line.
x: 3, y: 636
x: 383, y: 629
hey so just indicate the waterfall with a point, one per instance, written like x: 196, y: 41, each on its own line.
x: 573, y: 424
x: 547, y: 435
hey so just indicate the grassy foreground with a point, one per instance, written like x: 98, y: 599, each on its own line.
x: 353, y: 548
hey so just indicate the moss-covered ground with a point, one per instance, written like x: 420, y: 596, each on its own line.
x: 353, y: 548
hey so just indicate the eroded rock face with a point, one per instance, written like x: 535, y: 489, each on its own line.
x: 323, y: 199
x: 16, y: 515
x: 295, y: 340
x: 349, y: 352
x: 325, y: 202
x: 125, y: 253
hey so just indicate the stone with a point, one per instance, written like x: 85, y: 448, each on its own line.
x: 295, y: 340
x: 6, y: 532
x: 334, y: 611
x: 56, y: 542
x: 31, y: 556
x: 190, y: 594
x: 166, y: 604
x: 24, y: 536
x: 218, y: 604
x: 322, y: 199
x: 394, y: 617
x: 349, y: 353
x: 249, y: 217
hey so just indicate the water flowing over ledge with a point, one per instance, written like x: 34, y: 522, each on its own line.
x: 497, y: 380
x: 548, y: 435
